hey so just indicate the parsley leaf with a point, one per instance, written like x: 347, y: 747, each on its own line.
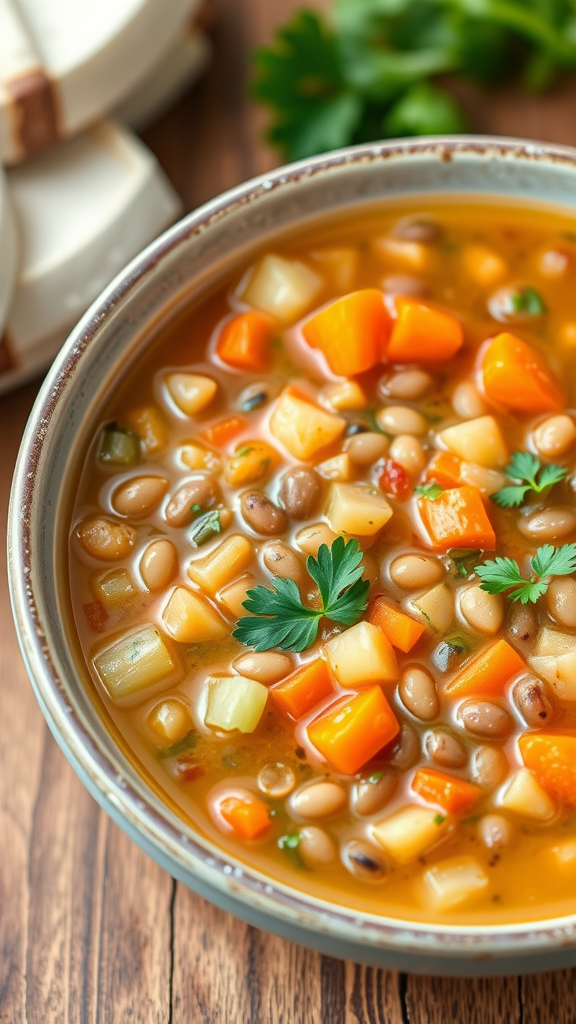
x: 280, y: 619
x: 430, y: 491
x: 503, y: 574
x: 534, y: 478
x: 528, y: 301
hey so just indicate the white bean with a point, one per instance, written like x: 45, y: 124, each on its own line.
x: 408, y: 452
x: 139, y: 496
x: 495, y: 831
x: 481, y: 610
x: 316, y: 847
x: 364, y: 449
x: 489, y: 767
x: 401, y: 419
x: 561, y: 600
x: 415, y: 571
x: 467, y: 401
x: 551, y: 524
x: 158, y: 564
x: 265, y: 666
x: 417, y: 691
x: 320, y: 800
x: 406, y: 384
x: 555, y: 436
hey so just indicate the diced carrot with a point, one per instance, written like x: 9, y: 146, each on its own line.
x: 457, y: 519
x: 244, y: 342
x: 249, y: 816
x: 515, y: 376
x: 444, y: 469
x: 219, y: 434
x: 351, y: 332
x: 552, y: 758
x: 488, y: 674
x: 401, y: 630
x: 349, y: 734
x: 423, y: 334
x: 451, y: 794
x: 305, y: 688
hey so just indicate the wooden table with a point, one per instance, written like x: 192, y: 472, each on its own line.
x: 90, y: 929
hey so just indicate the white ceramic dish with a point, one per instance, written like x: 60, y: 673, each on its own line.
x: 83, y: 210
x: 194, y: 254
x: 65, y: 63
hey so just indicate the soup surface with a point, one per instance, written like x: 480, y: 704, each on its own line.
x: 322, y: 563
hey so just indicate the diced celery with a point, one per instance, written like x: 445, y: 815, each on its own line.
x: 137, y: 666
x: 235, y: 702
x: 114, y: 588
x: 119, y: 447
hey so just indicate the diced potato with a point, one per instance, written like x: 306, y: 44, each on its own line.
x: 560, y: 672
x: 346, y: 397
x: 356, y: 510
x: 224, y: 562
x: 524, y: 795
x: 235, y: 702
x: 251, y: 461
x: 340, y: 266
x: 137, y: 666
x: 302, y: 427
x: 435, y: 607
x: 410, y: 832
x: 488, y: 481
x: 283, y: 288
x: 339, y: 468
x: 113, y: 588
x: 478, y: 441
x: 483, y: 265
x: 191, y: 619
x: 195, y: 457
x: 552, y: 642
x: 170, y: 721
x: 361, y: 655
x: 564, y: 855
x: 310, y: 538
x: 454, y: 881
x: 150, y: 425
x: 191, y: 392
x: 404, y: 253
x: 233, y: 596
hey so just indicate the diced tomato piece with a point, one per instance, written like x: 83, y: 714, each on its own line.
x: 394, y: 480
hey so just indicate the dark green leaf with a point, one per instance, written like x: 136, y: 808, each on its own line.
x: 425, y: 110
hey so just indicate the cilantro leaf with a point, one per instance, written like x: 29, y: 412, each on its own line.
x: 279, y: 618
x: 430, y: 491
x: 535, y: 478
x: 528, y: 301
x: 503, y: 574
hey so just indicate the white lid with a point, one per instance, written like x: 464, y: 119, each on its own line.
x: 8, y: 254
x: 168, y: 80
x: 84, y: 208
x: 64, y: 63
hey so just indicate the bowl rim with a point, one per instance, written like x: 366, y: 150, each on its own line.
x: 178, y: 850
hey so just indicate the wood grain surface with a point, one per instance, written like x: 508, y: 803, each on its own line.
x: 91, y: 931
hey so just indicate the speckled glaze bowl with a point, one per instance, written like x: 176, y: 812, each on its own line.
x: 194, y: 254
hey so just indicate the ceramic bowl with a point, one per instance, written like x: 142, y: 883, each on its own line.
x: 198, y: 251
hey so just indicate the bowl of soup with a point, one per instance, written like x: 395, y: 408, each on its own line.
x: 292, y: 553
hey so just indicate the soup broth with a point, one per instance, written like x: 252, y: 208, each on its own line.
x: 359, y: 456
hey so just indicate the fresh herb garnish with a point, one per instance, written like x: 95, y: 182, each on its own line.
x: 464, y: 560
x: 205, y: 528
x: 533, y: 478
x: 290, y: 843
x: 375, y: 777
x: 368, y: 72
x: 280, y: 619
x: 188, y: 742
x: 195, y: 509
x: 429, y: 491
x: 503, y: 574
x: 439, y: 819
x: 528, y: 301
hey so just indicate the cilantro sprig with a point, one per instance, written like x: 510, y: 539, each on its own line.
x: 280, y: 619
x: 429, y: 491
x: 504, y: 574
x: 532, y: 477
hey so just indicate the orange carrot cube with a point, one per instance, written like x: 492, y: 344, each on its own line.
x: 401, y: 630
x: 302, y: 690
x: 444, y: 469
x: 245, y: 340
x: 516, y: 377
x: 248, y: 815
x: 457, y: 519
x: 423, y: 334
x: 552, y: 758
x: 350, y: 734
x: 351, y: 332
x: 450, y: 793
x: 488, y: 674
x: 220, y: 434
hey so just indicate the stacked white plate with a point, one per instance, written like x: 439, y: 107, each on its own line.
x: 72, y: 214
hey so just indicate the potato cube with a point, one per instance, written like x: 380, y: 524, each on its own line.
x: 150, y: 425
x: 195, y: 457
x: 564, y: 855
x: 137, y: 666
x: 113, y: 588
x: 524, y: 795
x: 410, y: 832
x: 224, y: 562
x: 409, y: 255
x: 435, y: 607
x: 483, y: 265
x: 235, y: 702
x: 340, y: 266
x: 170, y: 721
x: 361, y: 655
x: 234, y: 595
x: 311, y: 538
x: 454, y: 881
x: 346, y: 397
x: 283, y: 288
x: 560, y: 671
x: 339, y: 468
x: 356, y: 510
x: 552, y: 642
x: 252, y: 461
x: 191, y: 392
x: 478, y: 441
x: 191, y: 619
x: 302, y: 427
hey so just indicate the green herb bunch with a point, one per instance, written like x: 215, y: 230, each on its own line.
x: 369, y: 71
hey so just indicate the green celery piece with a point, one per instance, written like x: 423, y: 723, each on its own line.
x: 119, y: 447
x: 205, y: 528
